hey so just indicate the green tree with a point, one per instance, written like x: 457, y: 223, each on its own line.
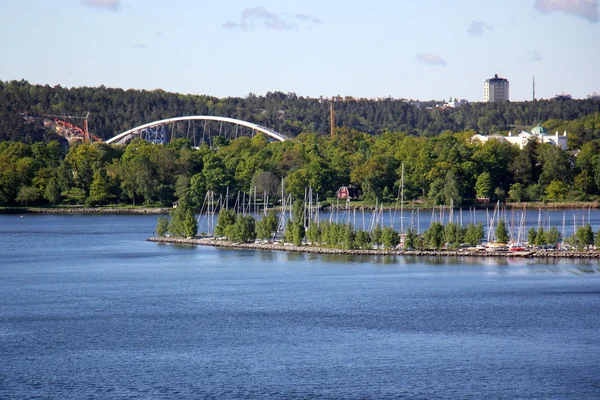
x: 540, y: 236
x: 349, y: 237
x: 553, y: 236
x: 584, y: 236
x: 376, y: 235
x: 483, y: 186
x: 501, y: 232
x: 389, y: 238
x: 434, y: 236
x: 266, y: 227
x: 183, y: 222
x: 557, y: 190
x: 410, y: 239
x: 531, y: 236
x: 474, y: 234
x: 313, y: 233
x: 453, y: 234
x: 27, y: 195
x: 100, y: 188
x: 244, y: 229
x: 516, y: 192
x: 225, y: 219
x: 52, y: 192
x: 162, y: 226
x: 363, y: 240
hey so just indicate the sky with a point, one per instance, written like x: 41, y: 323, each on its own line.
x: 421, y: 50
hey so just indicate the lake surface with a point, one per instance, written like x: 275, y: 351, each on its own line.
x: 88, y: 309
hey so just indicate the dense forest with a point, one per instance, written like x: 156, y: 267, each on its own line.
x: 115, y: 110
x: 445, y: 169
x: 374, y: 142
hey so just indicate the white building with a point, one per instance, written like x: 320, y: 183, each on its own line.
x: 539, y: 133
x: 495, y: 89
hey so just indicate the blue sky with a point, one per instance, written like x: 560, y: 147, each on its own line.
x: 426, y: 49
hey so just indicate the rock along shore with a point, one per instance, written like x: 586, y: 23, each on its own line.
x: 86, y: 210
x: 326, y: 250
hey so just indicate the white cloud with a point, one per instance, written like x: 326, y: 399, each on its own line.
x: 534, y: 55
x: 587, y: 9
x: 430, y: 59
x: 251, y: 17
x: 111, y: 5
x: 478, y: 27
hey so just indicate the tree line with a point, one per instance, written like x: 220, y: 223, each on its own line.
x: 446, y: 169
x: 299, y: 230
x: 113, y: 111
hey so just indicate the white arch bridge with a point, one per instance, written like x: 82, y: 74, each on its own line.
x: 158, y: 131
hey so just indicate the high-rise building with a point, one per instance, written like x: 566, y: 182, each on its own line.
x: 495, y: 89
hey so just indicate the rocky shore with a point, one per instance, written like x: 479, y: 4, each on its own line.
x: 422, y: 253
x: 86, y: 210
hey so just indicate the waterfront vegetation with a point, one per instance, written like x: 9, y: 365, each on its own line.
x: 374, y: 144
x: 299, y: 231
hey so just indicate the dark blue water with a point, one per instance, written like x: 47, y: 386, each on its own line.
x: 88, y: 309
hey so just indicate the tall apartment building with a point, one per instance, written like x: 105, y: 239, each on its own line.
x: 495, y: 89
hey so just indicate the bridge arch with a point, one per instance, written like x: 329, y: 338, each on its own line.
x: 157, y: 136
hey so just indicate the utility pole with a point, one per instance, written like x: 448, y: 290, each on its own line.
x: 534, y: 88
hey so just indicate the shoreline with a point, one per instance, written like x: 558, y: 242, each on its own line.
x: 379, y: 252
x: 85, y: 210
x: 407, y: 207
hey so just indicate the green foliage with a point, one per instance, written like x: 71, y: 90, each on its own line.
x: 557, y: 190
x: 52, y: 192
x: 183, y: 222
x: 389, y: 238
x: 553, y: 236
x: 540, y: 236
x: 483, y: 186
x: 225, y: 219
x: 363, y: 240
x: 434, y: 236
x: 27, y: 195
x: 266, y: 227
x: 453, y: 234
x: 501, y: 232
x: 516, y: 192
x: 348, y: 237
x: 376, y: 235
x: 162, y: 226
x: 243, y: 230
x: 531, y: 236
x: 410, y: 239
x: 313, y: 233
x: 474, y: 234
x: 584, y: 236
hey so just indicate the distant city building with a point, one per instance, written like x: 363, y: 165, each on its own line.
x: 563, y: 96
x: 593, y: 96
x: 539, y: 133
x: 454, y: 103
x: 495, y: 89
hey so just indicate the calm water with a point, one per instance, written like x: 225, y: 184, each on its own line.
x: 88, y: 309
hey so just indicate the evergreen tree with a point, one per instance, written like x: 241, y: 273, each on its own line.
x: 183, y: 222
x: 376, y: 235
x: 410, y: 239
x: 389, y: 238
x: 162, y: 227
x: 225, y: 219
x: 501, y: 232
x: 531, y: 236
x: 363, y: 240
x: 243, y: 231
x: 434, y: 235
